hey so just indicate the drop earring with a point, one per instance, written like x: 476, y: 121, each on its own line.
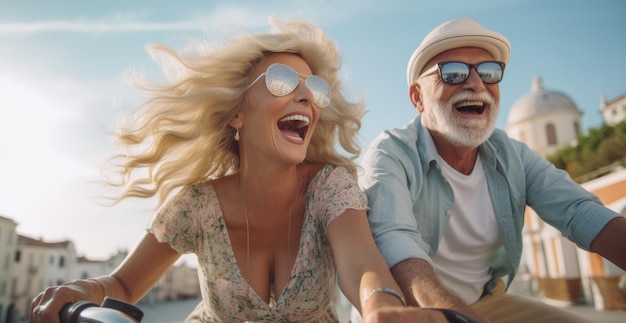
x: 237, y: 134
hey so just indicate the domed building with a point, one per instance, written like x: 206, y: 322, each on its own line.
x: 544, y: 120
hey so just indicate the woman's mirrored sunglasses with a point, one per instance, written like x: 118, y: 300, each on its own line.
x: 490, y: 72
x: 281, y: 80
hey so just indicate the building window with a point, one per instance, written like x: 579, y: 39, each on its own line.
x: 61, y: 262
x: 14, y: 286
x: 18, y: 256
x: 551, y: 134
x: 577, y: 128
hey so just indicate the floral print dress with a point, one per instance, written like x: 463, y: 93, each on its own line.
x: 192, y: 222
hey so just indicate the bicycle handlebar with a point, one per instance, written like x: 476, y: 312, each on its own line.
x: 455, y: 317
x: 116, y: 311
x: 111, y: 311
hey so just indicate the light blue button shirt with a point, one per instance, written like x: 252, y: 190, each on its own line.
x: 410, y: 200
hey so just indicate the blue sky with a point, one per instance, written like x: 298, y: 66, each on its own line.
x: 61, y: 64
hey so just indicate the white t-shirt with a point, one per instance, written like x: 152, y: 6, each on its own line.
x: 471, y: 240
x: 468, y: 246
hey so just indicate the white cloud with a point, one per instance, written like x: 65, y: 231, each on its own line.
x: 251, y: 16
x: 85, y: 26
x: 243, y: 16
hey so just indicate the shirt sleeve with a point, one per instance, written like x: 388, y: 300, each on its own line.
x: 179, y: 221
x: 393, y: 223
x: 340, y: 192
x: 562, y: 203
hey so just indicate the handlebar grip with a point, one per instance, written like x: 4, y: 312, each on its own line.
x: 70, y: 313
x: 128, y: 309
x: 111, y: 311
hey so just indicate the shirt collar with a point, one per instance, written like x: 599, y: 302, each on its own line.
x: 426, y: 150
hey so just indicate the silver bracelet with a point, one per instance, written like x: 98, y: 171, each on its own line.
x: 384, y: 290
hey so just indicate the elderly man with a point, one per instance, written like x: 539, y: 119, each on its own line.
x: 447, y: 192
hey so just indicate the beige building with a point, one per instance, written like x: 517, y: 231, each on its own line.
x: 179, y: 282
x: 86, y: 268
x: 613, y: 111
x: 28, y: 266
x: 37, y: 265
x: 8, y: 245
x: 546, y: 121
x: 601, y: 277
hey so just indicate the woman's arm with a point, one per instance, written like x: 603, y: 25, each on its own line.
x: 143, y: 268
x: 362, y: 269
x: 134, y: 278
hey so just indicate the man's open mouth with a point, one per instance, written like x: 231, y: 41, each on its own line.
x: 476, y: 107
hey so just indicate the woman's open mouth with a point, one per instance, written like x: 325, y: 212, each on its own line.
x: 294, y: 126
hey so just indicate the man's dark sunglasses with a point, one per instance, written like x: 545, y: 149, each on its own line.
x: 490, y: 72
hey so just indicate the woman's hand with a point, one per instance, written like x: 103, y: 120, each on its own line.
x: 401, y: 314
x: 144, y: 266
x: 47, y: 305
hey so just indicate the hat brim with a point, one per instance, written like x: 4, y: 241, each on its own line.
x: 495, y: 44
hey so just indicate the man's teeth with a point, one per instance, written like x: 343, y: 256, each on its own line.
x: 469, y: 103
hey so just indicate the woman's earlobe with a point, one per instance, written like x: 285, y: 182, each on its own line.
x: 236, y: 122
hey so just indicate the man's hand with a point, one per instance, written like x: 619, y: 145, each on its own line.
x: 420, y: 285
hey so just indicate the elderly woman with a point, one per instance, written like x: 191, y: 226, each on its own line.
x: 241, y: 150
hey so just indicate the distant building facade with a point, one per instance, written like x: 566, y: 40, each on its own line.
x: 180, y: 282
x: 8, y: 245
x: 40, y: 264
x: 613, y: 111
x: 86, y: 268
x: 602, y: 278
x: 28, y: 266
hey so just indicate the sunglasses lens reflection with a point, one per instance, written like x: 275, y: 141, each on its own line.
x: 454, y: 72
x: 281, y: 80
x: 320, y: 90
x: 458, y: 72
x: 490, y: 72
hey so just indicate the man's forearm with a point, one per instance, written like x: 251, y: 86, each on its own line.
x: 420, y: 285
x: 610, y: 242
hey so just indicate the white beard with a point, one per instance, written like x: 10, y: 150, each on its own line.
x: 459, y: 131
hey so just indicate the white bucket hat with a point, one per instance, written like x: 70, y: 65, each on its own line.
x: 454, y: 34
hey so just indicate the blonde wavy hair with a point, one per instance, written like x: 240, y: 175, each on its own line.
x: 181, y: 134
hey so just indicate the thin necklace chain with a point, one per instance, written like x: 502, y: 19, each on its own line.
x: 245, y: 213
